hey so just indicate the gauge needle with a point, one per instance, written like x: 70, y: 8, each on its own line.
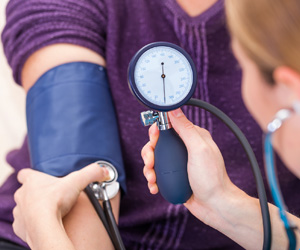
x: 163, y: 76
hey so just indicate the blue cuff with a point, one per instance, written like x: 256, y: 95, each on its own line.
x: 71, y: 120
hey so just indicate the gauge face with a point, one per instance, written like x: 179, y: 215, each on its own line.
x: 162, y: 76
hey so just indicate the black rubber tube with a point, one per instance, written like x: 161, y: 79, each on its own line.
x: 114, y: 230
x: 255, y: 168
x: 107, y: 219
x: 90, y: 194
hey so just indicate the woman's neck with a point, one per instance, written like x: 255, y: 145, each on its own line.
x: 195, y: 7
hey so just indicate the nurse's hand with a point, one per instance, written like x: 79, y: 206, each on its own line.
x: 216, y: 201
x: 43, y: 200
x: 206, y: 170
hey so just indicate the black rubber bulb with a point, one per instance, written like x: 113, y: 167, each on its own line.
x: 171, y: 167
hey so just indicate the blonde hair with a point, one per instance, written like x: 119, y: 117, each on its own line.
x: 268, y: 32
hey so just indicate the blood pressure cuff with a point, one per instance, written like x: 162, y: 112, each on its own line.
x: 71, y: 120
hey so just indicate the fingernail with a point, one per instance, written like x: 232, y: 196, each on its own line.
x: 106, y: 172
x: 177, y: 113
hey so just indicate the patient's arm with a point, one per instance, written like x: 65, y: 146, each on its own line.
x: 84, y: 227
x: 53, y: 55
x: 82, y: 224
x: 43, y: 200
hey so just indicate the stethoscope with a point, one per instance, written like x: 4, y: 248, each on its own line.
x: 104, y: 191
x: 280, y: 117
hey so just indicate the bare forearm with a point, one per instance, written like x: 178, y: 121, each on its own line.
x: 238, y: 216
x: 81, y: 229
x: 84, y: 227
x: 50, y: 235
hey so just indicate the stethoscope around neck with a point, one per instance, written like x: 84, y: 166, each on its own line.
x: 280, y: 117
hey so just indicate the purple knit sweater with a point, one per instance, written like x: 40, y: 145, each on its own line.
x: 116, y: 29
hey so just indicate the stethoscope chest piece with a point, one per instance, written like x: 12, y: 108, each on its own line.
x: 109, y: 188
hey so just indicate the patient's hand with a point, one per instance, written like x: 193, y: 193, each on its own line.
x: 43, y: 200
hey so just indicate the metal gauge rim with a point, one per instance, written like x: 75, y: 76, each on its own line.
x: 134, y: 89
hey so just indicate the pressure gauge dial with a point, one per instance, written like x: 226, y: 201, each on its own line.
x: 162, y: 76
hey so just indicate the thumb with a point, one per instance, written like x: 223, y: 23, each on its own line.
x: 184, y: 128
x: 92, y: 173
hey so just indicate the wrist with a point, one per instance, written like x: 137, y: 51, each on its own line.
x: 37, y: 232
x: 48, y: 233
x: 220, y: 207
x: 233, y: 213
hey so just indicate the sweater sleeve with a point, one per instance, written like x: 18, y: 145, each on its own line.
x: 33, y: 24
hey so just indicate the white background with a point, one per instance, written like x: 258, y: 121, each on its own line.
x: 12, y: 108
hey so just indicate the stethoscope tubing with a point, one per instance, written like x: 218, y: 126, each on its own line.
x: 106, y: 216
x: 275, y: 191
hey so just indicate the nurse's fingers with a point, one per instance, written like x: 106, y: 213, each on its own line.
x: 149, y: 175
x: 153, y: 134
x: 204, y: 133
x: 148, y: 155
x: 185, y: 129
x: 153, y: 188
x: 92, y: 173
